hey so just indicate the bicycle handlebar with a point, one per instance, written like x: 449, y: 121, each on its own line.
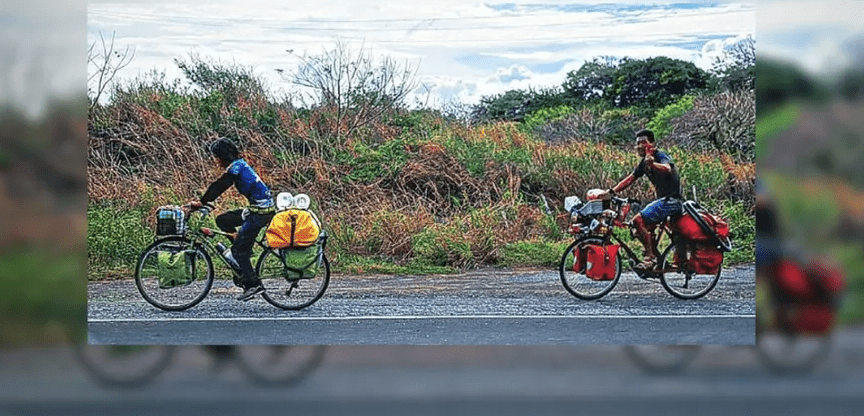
x: 622, y: 201
x: 204, y: 209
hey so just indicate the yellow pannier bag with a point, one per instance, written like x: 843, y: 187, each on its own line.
x: 292, y: 229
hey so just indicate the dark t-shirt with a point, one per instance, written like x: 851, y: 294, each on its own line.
x: 666, y: 184
x: 767, y: 224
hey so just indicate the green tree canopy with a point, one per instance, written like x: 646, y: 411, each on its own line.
x: 654, y: 82
x: 590, y: 81
x: 779, y: 82
x: 515, y: 105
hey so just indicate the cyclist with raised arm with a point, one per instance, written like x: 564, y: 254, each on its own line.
x: 663, y: 174
x: 250, y: 220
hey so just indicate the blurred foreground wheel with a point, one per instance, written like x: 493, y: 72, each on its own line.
x: 123, y: 366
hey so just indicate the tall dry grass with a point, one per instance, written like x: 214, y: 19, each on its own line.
x: 412, y: 188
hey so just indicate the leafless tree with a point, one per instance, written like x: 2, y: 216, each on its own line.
x: 741, y: 54
x: 724, y: 121
x: 356, y: 88
x: 735, y: 67
x: 103, y: 62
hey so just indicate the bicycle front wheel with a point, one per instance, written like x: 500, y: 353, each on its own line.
x: 683, y: 283
x: 174, y: 274
x: 576, y: 281
x: 283, y: 289
x: 123, y: 366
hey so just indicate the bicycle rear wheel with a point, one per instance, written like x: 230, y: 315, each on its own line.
x: 579, y: 284
x: 286, y: 291
x: 683, y: 283
x: 787, y: 353
x: 174, y: 274
x: 279, y: 365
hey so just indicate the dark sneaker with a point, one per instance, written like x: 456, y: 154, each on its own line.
x: 250, y: 292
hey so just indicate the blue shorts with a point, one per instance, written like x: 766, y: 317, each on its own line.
x: 658, y: 210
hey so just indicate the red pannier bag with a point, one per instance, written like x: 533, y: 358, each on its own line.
x: 807, y: 318
x: 687, y: 227
x: 705, y: 258
x: 578, y: 259
x: 811, y: 294
x: 601, y: 261
x: 827, y: 280
x: 791, y: 280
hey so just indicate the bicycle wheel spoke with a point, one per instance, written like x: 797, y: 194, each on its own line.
x: 662, y: 359
x: 125, y: 366
x: 577, y: 282
x: 172, y: 274
x: 279, y: 365
x: 791, y: 353
x: 284, y: 287
x: 680, y: 281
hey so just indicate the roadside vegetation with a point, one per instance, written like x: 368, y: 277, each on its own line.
x: 43, y: 263
x: 403, y: 188
x: 809, y: 146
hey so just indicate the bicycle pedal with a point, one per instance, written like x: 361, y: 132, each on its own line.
x: 645, y: 275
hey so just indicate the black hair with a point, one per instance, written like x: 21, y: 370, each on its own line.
x: 225, y: 150
x: 647, y: 133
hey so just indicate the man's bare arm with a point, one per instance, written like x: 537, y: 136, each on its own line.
x: 624, y: 183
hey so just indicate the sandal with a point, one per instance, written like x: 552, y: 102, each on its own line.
x: 647, y: 264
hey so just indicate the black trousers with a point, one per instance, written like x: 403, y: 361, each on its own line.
x: 241, y: 248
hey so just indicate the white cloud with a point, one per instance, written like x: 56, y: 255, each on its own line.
x: 714, y: 49
x: 437, y: 35
x: 510, y: 74
x: 40, y: 54
x: 783, y: 15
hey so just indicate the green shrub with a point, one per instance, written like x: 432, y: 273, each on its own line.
x: 662, y: 121
x: 546, y: 115
x: 367, y: 163
x: 772, y: 124
x: 706, y: 172
x: 532, y: 253
x: 442, y: 245
x: 43, y: 298
x: 170, y: 105
x: 116, y: 235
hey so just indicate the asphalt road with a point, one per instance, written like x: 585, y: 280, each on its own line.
x: 484, y: 307
x: 401, y: 380
x: 472, y: 330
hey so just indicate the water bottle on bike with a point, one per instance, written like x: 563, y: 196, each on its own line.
x: 226, y: 254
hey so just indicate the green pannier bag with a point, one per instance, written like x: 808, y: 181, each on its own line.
x: 176, y: 269
x: 302, y: 263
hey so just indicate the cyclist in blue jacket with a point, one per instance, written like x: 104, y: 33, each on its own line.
x: 250, y: 220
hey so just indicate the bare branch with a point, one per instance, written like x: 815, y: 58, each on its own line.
x: 104, y: 65
x: 355, y: 87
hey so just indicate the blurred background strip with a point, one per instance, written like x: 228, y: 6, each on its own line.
x: 809, y: 142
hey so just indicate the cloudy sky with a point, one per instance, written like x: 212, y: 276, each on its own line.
x: 42, y: 53
x: 463, y: 49
x: 824, y: 37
